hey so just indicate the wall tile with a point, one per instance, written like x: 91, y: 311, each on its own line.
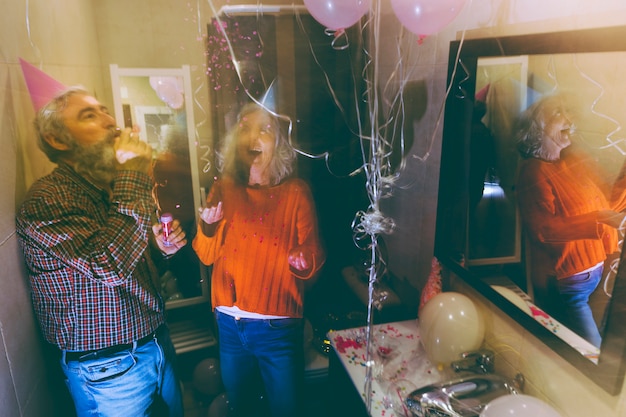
x: 21, y: 336
x: 8, y: 398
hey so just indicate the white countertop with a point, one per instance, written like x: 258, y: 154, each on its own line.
x: 405, y: 368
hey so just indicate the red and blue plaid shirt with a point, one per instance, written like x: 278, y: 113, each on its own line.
x: 87, y: 255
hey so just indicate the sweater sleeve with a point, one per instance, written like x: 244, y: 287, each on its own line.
x: 538, y: 207
x: 307, y: 230
x: 208, y: 248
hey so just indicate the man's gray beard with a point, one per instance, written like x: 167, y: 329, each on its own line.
x: 96, y: 161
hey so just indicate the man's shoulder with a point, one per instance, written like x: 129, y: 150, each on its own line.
x: 55, y: 182
x: 57, y: 187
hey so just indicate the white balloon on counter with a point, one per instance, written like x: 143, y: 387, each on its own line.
x: 518, y: 406
x: 450, y: 324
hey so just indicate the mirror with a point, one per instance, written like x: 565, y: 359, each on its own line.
x: 484, y: 234
x: 158, y: 101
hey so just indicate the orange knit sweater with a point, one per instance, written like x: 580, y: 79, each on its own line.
x: 559, y: 203
x: 249, y: 247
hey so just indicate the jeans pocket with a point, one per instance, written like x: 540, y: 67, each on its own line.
x: 109, y: 368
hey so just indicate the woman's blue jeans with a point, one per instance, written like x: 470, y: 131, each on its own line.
x: 575, y: 292
x: 137, y: 382
x: 261, y: 359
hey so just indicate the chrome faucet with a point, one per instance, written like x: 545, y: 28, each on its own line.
x: 467, y: 395
x: 478, y: 361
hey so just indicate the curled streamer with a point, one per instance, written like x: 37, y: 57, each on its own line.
x: 370, y: 224
x: 379, y: 146
x: 618, y: 127
x: 440, y: 114
x: 552, y: 74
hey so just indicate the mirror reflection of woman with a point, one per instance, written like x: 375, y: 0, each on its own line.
x: 570, y: 212
x: 259, y: 231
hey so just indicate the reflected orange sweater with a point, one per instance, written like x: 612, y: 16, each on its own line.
x: 559, y: 203
x: 249, y: 247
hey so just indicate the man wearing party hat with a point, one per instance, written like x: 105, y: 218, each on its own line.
x: 87, y: 237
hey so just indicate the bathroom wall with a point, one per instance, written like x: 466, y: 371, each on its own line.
x: 76, y: 40
x: 31, y: 30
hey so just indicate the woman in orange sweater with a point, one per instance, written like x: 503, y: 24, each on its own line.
x: 259, y: 231
x: 570, y: 212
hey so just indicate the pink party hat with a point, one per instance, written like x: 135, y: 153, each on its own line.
x: 482, y: 94
x: 41, y: 86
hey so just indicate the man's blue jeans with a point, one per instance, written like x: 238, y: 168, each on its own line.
x: 136, y: 382
x: 575, y: 291
x: 261, y: 358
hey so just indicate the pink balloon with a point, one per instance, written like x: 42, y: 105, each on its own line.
x: 169, y: 94
x: 337, y: 14
x: 425, y: 17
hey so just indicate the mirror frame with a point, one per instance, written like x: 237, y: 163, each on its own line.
x: 198, y: 192
x: 609, y: 371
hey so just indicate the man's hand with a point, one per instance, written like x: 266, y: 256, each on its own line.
x: 132, y: 153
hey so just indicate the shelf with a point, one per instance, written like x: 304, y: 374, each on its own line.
x: 188, y: 336
x: 184, y: 302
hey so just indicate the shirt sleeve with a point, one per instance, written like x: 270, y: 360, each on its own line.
x: 82, y: 230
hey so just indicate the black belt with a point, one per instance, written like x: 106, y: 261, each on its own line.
x: 88, y: 355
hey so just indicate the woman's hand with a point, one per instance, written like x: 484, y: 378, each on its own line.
x: 611, y: 218
x: 211, y: 215
x: 299, y: 259
x: 176, y: 239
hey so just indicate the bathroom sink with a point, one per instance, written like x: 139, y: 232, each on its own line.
x: 462, y: 397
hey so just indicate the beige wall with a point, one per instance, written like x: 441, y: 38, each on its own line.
x: 76, y: 40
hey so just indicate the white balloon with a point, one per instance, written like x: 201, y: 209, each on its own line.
x: 450, y: 324
x: 518, y: 406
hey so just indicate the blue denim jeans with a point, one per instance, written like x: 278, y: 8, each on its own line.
x: 574, y: 292
x: 261, y: 359
x: 136, y: 382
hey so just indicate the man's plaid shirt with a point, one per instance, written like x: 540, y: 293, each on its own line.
x: 88, y: 259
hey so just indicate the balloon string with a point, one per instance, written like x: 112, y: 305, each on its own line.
x: 328, y: 82
x: 371, y: 189
x: 207, y: 154
x: 222, y: 28
x: 618, y: 127
x: 30, y: 38
x: 440, y: 114
x: 552, y: 73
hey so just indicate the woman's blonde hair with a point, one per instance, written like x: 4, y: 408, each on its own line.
x: 532, y: 123
x: 229, y: 163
